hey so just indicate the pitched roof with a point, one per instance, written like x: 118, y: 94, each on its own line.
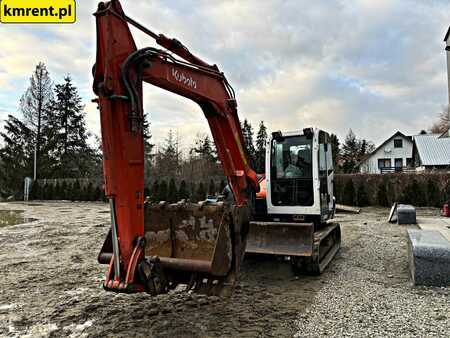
x: 447, y: 34
x: 396, y: 134
x: 432, y: 149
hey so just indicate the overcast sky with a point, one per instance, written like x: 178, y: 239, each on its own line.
x: 373, y: 66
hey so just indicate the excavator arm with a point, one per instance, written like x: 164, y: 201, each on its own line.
x: 204, y: 243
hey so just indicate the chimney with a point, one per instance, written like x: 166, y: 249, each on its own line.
x: 447, y: 50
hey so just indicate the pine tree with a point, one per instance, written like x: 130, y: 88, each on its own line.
x: 169, y: 158
x: 34, y: 106
x: 204, y: 148
x: 148, y: 149
x: 260, y: 155
x: 172, y: 194
x: 247, y: 131
x: 183, y: 192
x: 16, y: 155
x: 350, y: 151
x: 66, y: 129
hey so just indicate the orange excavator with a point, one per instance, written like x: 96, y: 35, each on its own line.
x: 155, y: 247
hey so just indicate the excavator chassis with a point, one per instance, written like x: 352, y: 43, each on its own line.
x: 196, y: 245
x: 310, y: 251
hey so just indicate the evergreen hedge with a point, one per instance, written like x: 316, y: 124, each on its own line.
x: 424, y: 189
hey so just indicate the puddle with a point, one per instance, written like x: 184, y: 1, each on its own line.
x: 13, y: 217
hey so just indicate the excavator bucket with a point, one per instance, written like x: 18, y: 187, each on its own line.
x: 193, y: 243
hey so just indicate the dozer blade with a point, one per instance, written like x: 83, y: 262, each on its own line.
x: 195, y: 244
x: 280, y: 238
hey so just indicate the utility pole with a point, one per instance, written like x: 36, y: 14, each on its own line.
x: 447, y: 49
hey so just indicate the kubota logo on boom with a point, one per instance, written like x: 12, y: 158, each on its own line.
x: 181, y: 77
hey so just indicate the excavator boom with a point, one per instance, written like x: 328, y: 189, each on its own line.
x: 152, y: 247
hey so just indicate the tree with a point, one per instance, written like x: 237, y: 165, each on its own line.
x: 148, y: 148
x: 442, y: 124
x: 66, y: 132
x: 34, y: 106
x: 260, y: 151
x: 247, y: 131
x: 353, y: 151
x: 16, y: 155
x: 350, y: 151
x: 204, y: 148
x: 334, y: 141
x: 169, y: 157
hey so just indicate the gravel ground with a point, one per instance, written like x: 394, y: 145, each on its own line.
x: 51, y: 287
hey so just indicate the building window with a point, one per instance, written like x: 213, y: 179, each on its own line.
x: 384, y: 163
x: 398, y: 143
x: 409, y: 162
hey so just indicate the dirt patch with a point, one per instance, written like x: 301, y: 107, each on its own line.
x: 51, y: 284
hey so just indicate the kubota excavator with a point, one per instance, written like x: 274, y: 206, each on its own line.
x: 155, y: 247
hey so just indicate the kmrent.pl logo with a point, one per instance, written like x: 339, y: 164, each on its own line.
x: 37, y: 11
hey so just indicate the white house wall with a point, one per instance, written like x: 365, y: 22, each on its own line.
x: 370, y: 165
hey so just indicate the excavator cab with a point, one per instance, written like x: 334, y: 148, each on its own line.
x: 296, y: 206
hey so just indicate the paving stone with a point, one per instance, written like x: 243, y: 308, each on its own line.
x: 406, y: 214
x: 429, y: 258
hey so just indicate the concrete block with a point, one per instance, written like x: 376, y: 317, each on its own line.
x: 429, y: 258
x: 406, y: 214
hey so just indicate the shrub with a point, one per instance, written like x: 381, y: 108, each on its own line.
x: 349, y: 193
x: 75, y: 192
x: 36, y: 191
x: 414, y: 194
x: 212, y: 188
x: 64, y: 192
x: 172, y: 194
x: 154, y: 192
x: 183, y: 192
x: 382, y: 199
x: 433, y: 196
x: 201, y: 192
x: 98, y: 194
x: 57, y: 191
x: 361, y: 196
x: 162, y: 191
x: 221, y: 186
